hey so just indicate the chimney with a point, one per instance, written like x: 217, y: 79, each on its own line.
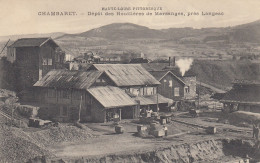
x: 169, y: 61
x: 173, y: 62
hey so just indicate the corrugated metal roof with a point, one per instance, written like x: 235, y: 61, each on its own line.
x: 160, y: 74
x: 30, y: 42
x: 243, y: 94
x: 111, y: 97
x: 152, y: 99
x: 68, y: 79
x: 127, y: 74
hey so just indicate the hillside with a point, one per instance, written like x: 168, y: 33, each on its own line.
x: 119, y: 38
x: 126, y: 38
x: 118, y: 31
x: 218, y: 73
x: 222, y: 73
x: 242, y: 33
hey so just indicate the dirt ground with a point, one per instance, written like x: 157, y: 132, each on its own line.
x: 178, y: 133
x: 100, y: 138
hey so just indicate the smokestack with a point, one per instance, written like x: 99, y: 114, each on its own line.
x: 169, y: 61
x: 173, y: 62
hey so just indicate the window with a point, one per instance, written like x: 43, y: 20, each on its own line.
x: 170, y: 83
x: 66, y: 94
x: 44, y: 61
x: 154, y: 90
x: 176, y: 91
x: 64, y: 111
x: 187, y: 89
x: 134, y: 91
x: 57, y: 58
x: 49, y: 61
x: 150, y: 91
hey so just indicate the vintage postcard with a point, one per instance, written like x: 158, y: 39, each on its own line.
x: 129, y: 81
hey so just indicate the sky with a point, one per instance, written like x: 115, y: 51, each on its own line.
x: 22, y: 16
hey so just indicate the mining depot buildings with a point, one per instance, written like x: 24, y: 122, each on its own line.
x: 99, y: 93
x: 103, y: 92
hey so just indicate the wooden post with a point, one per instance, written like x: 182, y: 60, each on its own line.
x: 80, y: 107
x: 199, y: 96
x: 12, y: 119
x: 157, y: 102
x: 120, y: 114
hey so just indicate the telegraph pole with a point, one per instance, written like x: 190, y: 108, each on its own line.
x: 157, y: 102
x: 199, y: 96
x: 80, y: 107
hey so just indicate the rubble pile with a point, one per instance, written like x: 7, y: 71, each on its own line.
x: 17, y: 146
x: 62, y: 133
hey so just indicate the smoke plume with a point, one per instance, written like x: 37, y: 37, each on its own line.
x: 184, y: 64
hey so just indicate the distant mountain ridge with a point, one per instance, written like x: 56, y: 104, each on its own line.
x: 249, y: 32
x: 117, y: 31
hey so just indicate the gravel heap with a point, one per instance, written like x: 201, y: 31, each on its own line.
x: 63, y: 133
x: 17, y: 146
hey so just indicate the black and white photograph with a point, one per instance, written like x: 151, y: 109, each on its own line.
x: 129, y: 81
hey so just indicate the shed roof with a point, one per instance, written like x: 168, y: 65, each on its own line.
x: 152, y: 99
x: 68, y: 79
x: 160, y: 74
x: 127, y: 74
x: 111, y: 97
x: 31, y: 42
x: 243, y: 94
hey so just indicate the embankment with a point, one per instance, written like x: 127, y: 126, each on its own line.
x: 203, y: 151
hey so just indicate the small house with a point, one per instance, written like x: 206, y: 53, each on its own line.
x: 171, y: 85
x: 34, y: 58
x: 244, y: 95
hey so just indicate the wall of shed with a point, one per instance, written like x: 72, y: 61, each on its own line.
x: 57, y: 100
x: 249, y: 108
x: 47, y: 51
x: 98, y: 112
x: 26, y: 67
x: 191, y: 82
x: 130, y: 112
x: 166, y: 90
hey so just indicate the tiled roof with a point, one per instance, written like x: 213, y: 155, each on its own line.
x: 68, y: 79
x: 111, y: 97
x: 127, y: 74
x: 30, y: 42
x: 152, y: 99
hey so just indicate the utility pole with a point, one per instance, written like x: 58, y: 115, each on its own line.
x: 199, y: 96
x: 157, y: 102
x: 80, y: 107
